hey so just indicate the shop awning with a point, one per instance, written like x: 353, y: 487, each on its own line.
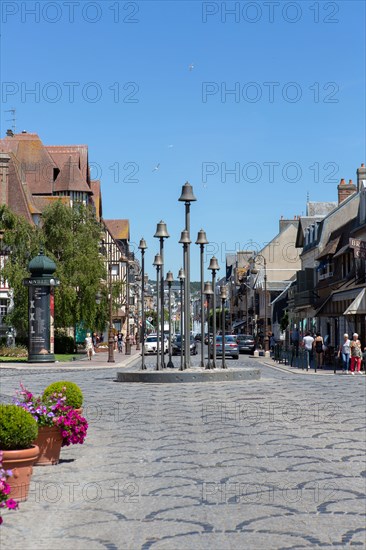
x: 358, y: 306
x: 329, y: 249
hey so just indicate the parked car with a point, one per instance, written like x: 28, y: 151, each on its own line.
x: 231, y: 348
x: 177, y: 344
x: 198, y: 337
x: 246, y: 342
x: 151, y: 344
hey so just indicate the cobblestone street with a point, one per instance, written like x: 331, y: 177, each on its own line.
x: 277, y: 463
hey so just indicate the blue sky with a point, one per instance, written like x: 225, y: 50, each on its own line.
x: 295, y: 124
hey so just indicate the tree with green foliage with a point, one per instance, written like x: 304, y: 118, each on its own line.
x: 71, y: 237
x: 21, y: 242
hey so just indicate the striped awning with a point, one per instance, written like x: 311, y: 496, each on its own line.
x: 358, y: 306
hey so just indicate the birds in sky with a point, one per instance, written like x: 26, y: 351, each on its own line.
x: 156, y: 168
x: 191, y: 67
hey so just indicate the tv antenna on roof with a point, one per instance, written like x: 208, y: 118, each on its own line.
x: 12, y: 119
x: 307, y: 196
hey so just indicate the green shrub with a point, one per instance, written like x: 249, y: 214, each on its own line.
x: 17, y: 351
x: 18, y: 428
x: 74, y: 396
x: 64, y: 343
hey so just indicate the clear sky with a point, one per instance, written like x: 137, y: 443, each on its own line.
x: 147, y: 85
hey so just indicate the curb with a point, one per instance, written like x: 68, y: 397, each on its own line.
x: 71, y: 365
x: 295, y: 370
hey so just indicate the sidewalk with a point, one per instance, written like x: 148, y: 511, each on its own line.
x: 297, y: 370
x: 99, y: 361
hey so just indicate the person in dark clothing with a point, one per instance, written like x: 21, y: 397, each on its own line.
x: 318, y: 346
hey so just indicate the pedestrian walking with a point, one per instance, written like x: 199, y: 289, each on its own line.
x: 356, y: 354
x: 308, y: 342
x: 364, y: 360
x: 89, y: 346
x: 272, y: 342
x: 295, y: 342
x: 318, y: 345
x: 345, y: 352
x: 120, y: 342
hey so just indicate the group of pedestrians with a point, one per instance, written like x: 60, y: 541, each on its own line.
x: 350, y: 351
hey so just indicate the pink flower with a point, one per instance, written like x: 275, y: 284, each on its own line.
x: 11, y: 504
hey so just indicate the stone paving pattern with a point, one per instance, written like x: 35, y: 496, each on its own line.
x: 277, y: 463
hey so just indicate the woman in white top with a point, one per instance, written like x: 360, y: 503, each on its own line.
x: 345, y: 352
x: 89, y: 345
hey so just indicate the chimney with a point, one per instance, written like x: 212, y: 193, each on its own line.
x: 361, y: 177
x: 4, y: 178
x: 9, y: 133
x: 345, y: 190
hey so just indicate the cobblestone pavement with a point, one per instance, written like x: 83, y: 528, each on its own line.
x: 277, y: 463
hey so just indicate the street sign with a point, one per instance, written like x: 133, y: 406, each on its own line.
x: 357, y: 243
x: 359, y: 253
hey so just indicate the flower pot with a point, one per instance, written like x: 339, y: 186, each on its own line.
x: 49, y: 441
x: 21, y: 463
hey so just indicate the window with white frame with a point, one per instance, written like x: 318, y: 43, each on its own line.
x: 3, y: 310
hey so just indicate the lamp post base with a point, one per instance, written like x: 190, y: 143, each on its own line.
x: 111, y: 350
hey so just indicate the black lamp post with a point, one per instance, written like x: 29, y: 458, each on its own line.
x: 137, y: 294
x: 110, y: 332
x: 128, y: 343
x: 202, y: 240
x: 181, y: 277
x: 223, y: 296
x: 143, y: 247
x: 169, y: 279
x: 161, y: 234
x: 158, y: 263
x: 255, y: 271
x: 187, y: 197
x: 208, y: 292
x: 185, y: 240
x: 213, y: 267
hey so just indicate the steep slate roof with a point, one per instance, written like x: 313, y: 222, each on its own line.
x: 19, y: 199
x: 304, y: 223
x: 320, y: 208
x: 37, y: 166
x: 78, y: 154
x: 71, y: 178
x: 119, y: 229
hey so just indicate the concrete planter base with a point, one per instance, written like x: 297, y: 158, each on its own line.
x: 189, y: 376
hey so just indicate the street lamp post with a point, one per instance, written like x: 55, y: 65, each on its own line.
x: 128, y: 343
x: 223, y: 296
x: 169, y: 280
x: 161, y: 234
x: 185, y: 336
x: 202, y: 240
x: 255, y: 271
x: 110, y: 332
x: 213, y: 267
x: 157, y: 263
x: 181, y: 277
x: 208, y: 292
x: 187, y: 197
x: 143, y: 247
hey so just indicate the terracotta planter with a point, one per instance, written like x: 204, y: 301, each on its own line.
x: 49, y: 441
x: 21, y: 463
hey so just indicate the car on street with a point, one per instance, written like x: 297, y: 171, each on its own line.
x: 231, y: 348
x: 246, y: 343
x: 151, y: 344
x: 177, y: 344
